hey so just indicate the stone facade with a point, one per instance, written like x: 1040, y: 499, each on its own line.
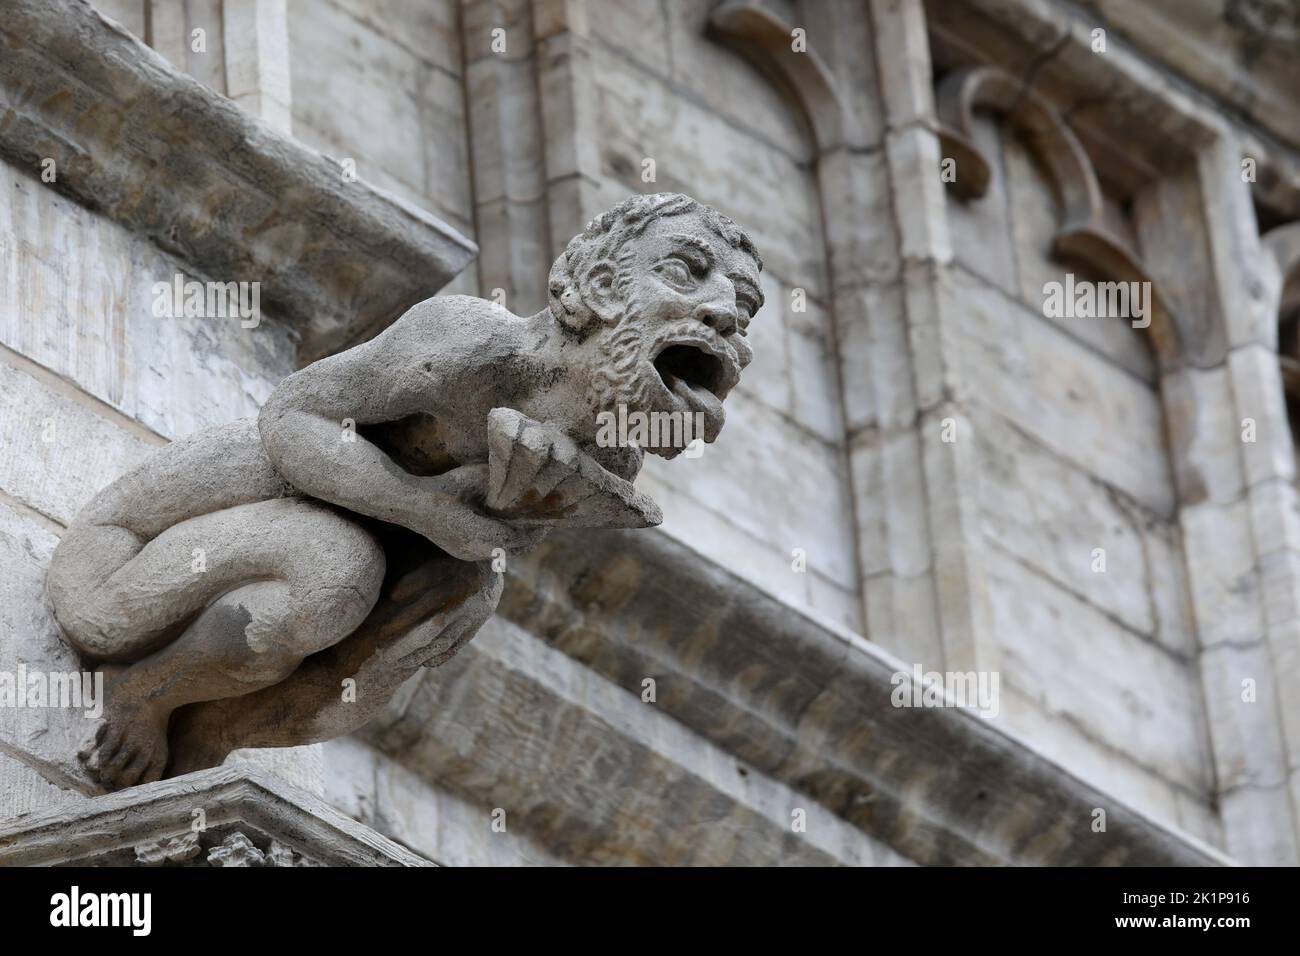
x: 922, y: 466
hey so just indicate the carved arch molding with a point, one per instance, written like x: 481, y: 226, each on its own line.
x: 1083, y: 236
x: 762, y: 38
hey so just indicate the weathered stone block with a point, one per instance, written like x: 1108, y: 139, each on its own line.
x: 752, y: 180
x: 357, y: 87
x: 60, y: 451
x: 1222, y: 573
x: 1204, y: 435
x: 903, y: 51
x: 374, y: 789
x: 984, y: 238
x: 1063, y: 394
x: 1258, y: 395
x: 1053, y: 516
x: 1118, y: 777
x: 861, y: 236
x: 1120, y: 689
x: 801, y: 507
x: 78, y: 297
x: 1251, y: 834
x: 920, y: 209
x: 46, y: 736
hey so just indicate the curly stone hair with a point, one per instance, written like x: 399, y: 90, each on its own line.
x: 606, y: 238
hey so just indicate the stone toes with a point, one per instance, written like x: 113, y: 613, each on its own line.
x: 125, y: 755
x: 130, y: 774
x: 98, y: 758
x: 89, y: 747
x: 114, y: 772
x: 105, y: 758
x: 154, y: 769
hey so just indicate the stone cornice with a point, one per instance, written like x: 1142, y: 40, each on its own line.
x: 809, y: 704
x: 136, y: 140
x: 595, y: 774
x: 1188, y: 77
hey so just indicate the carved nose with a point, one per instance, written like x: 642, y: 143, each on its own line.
x: 720, y: 318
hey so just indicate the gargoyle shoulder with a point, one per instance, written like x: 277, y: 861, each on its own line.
x: 453, y: 339
x: 459, y: 320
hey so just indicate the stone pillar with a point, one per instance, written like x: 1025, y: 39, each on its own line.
x: 932, y: 549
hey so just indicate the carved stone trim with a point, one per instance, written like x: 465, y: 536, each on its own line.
x: 249, y: 818
x: 808, y: 703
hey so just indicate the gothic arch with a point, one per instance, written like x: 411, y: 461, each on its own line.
x: 763, y: 39
x: 1083, y: 235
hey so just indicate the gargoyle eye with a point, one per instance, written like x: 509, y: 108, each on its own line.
x: 675, y: 270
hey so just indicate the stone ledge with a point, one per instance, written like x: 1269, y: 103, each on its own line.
x: 1248, y: 64
x: 808, y: 704
x: 136, y: 140
x: 123, y: 827
x: 594, y: 774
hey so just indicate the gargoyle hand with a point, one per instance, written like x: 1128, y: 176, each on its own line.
x: 459, y: 527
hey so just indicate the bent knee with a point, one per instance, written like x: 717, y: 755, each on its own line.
x: 335, y: 569
x: 323, y: 574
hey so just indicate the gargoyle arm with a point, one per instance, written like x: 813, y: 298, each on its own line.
x: 308, y: 427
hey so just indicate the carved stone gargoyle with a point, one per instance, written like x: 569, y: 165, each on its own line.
x: 353, y: 530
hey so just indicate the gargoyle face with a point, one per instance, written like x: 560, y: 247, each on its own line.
x: 686, y: 297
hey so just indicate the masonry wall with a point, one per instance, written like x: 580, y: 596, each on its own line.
x: 913, y: 305
x: 91, y: 381
x: 1096, y: 648
x: 380, y: 84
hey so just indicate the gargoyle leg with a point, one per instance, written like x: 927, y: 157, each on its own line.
x: 285, y: 603
x: 422, y: 619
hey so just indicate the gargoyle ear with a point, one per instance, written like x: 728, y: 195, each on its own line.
x: 599, y: 290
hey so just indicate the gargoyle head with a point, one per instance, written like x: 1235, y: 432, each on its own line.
x: 662, y: 288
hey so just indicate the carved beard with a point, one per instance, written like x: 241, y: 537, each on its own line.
x: 623, y: 354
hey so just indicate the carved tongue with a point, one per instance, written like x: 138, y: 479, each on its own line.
x: 699, y: 399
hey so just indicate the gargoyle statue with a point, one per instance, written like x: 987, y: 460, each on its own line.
x: 232, y: 583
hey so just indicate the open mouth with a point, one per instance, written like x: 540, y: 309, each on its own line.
x: 690, y: 365
x: 697, y: 381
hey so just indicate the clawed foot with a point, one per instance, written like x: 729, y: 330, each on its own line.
x: 128, y: 747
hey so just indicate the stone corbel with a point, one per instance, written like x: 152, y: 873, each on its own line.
x: 1083, y: 235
